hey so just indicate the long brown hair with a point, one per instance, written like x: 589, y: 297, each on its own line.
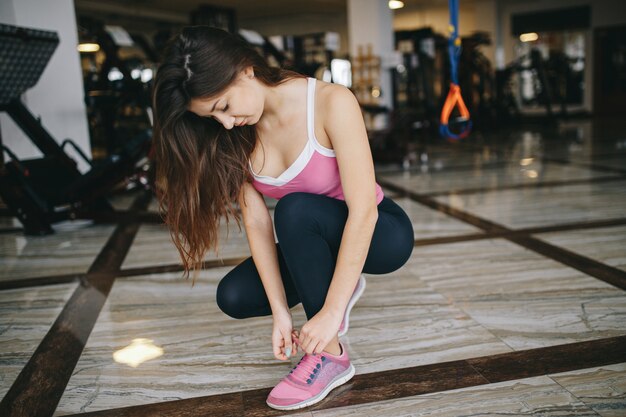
x: 200, y: 165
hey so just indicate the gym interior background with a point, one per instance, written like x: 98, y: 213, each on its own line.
x: 512, y: 303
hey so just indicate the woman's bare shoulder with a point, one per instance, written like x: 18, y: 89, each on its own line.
x: 334, y: 97
x: 331, y: 91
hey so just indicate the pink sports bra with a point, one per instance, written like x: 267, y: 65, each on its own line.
x: 314, y: 171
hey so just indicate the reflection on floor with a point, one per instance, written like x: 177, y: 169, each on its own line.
x: 478, y: 285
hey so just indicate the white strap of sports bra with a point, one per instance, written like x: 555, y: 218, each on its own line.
x: 310, y: 107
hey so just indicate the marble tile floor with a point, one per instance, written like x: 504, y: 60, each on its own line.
x: 501, y: 176
x: 26, y: 315
x: 135, y: 308
x: 153, y: 239
x: 9, y: 223
x: 495, y: 313
x: 70, y: 250
x: 523, y: 298
x: 376, y: 388
x: 602, y: 388
x: 578, y: 140
x: 236, y: 354
x: 437, y: 160
x: 598, y: 391
x: 543, y: 206
x: 604, y: 244
x: 617, y: 161
x: 123, y: 200
x: 153, y: 246
x: 451, y: 301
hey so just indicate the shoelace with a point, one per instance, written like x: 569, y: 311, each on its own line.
x: 308, y: 367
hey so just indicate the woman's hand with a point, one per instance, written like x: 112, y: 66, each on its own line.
x: 319, y: 331
x: 282, y: 337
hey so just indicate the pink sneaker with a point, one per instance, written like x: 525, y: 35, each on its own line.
x: 360, y: 287
x: 311, y: 380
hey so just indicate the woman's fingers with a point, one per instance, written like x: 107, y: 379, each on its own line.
x: 278, y: 351
x: 311, y: 345
x: 277, y: 346
x: 305, y: 341
x: 288, y: 345
x: 316, y: 348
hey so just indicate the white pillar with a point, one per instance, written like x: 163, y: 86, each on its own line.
x: 371, y: 21
x: 58, y: 97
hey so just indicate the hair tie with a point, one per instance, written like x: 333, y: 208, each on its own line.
x: 187, y: 66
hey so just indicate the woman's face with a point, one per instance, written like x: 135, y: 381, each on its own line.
x: 241, y: 103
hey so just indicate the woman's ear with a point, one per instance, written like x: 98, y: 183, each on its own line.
x: 249, y: 72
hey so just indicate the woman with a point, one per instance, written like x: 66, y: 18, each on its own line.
x: 228, y: 128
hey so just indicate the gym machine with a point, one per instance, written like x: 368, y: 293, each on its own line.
x: 50, y: 189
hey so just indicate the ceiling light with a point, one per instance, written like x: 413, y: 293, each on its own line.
x: 528, y: 37
x: 395, y: 4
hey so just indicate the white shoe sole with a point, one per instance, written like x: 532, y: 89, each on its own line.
x: 339, y: 380
x: 353, y: 300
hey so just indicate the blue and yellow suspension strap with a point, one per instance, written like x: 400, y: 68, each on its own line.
x: 454, y: 98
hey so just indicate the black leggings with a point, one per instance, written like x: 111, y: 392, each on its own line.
x: 309, y: 228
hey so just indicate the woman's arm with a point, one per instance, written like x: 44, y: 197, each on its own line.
x: 343, y: 123
x: 260, y: 234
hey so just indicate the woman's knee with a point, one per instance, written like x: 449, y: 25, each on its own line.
x: 406, y: 243
x: 390, y: 249
x: 289, y: 203
x: 229, y: 298
x: 405, y: 236
x: 289, y: 211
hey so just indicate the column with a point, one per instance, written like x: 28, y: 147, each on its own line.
x: 371, y: 22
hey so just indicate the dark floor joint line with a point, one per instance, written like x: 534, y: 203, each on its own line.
x: 400, y: 383
x: 40, y: 385
x: 551, y: 360
x: 599, y: 270
x: 480, y: 190
x: 448, y: 168
x: 161, y: 269
x: 594, y: 167
x: 11, y: 230
x: 136, y: 216
x: 39, y: 281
